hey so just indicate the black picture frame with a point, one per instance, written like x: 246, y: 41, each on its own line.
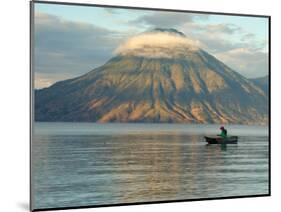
x: 151, y: 9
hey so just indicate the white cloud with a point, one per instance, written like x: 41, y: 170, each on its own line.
x: 246, y: 61
x: 69, y: 48
x: 247, y: 55
x: 157, y: 44
x: 44, y: 80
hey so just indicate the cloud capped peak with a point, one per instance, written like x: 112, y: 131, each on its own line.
x: 169, y: 31
x: 158, y: 43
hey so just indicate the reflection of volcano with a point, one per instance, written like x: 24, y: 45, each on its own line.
x: 158, y: 76
x: 152, y: 168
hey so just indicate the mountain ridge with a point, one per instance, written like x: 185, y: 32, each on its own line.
x: 193, y: 87
x: 262, y: 82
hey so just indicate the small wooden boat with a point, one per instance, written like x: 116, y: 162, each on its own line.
x: 220, y: 140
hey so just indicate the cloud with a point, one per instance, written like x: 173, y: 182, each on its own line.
x: 248, y: 37
x: 69, y: 49
x: 247, y: 62
x: 167, y: 19
x: 111, y: 10
x: 43, y: 80
x: 72, y: 48
x: 211, y: 28
x: 214, y: 37
x: 157, y: 44
x: 246, y: 54
x: 222, y: 28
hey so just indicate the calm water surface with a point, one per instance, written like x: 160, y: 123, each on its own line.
x: 78, y: 164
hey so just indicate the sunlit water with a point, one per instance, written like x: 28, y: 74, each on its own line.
x: 79, y: 164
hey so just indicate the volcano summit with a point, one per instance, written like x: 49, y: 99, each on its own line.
x: 157, y: 76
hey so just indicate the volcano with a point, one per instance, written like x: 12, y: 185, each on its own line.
x: 159, y: 76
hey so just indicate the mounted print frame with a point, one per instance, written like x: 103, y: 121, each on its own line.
x: 134, y: 105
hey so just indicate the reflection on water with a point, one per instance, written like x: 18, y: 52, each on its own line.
x: 77, y: 170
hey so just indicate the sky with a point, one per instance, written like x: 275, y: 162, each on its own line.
x: 73, y: 40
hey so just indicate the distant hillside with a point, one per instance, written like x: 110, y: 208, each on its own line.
x: 156, y: 82
x: 262, y: 82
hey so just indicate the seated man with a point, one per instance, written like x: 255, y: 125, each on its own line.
x: 223, y: 133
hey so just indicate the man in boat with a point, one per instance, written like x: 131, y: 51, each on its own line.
x: 223, y: 133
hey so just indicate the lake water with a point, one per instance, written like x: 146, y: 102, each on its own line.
x: 80, y: 164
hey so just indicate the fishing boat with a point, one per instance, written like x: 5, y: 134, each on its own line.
x: 221, y: 140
